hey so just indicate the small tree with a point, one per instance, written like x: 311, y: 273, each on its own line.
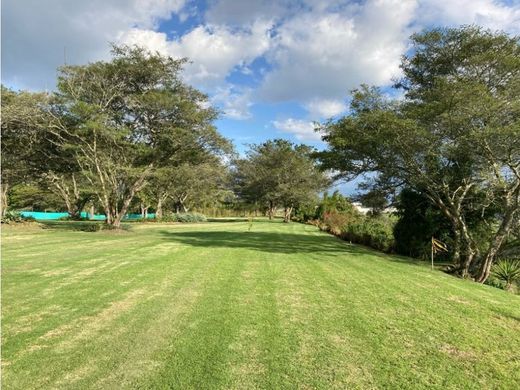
x: 279, y: 174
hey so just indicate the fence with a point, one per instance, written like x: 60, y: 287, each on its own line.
x: 52, y: 216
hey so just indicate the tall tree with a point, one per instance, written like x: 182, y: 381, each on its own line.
x: 22, y: 120
x: 279, y: 174
x: 455, y: 136
x: 125, y: 118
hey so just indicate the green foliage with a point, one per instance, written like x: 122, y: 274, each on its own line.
x: 183, y: 217
x: 128, y: 117
x: 15, y: 217
x: 278, y: 174
x: 80, y: 225
x: 372, y: 231
x: 33, y: 197
x: 418, y: 221
x: 333, y: 203
x: 72, y: 218
x: 305, y: 212
x: 454, y: 137
x: 507, y: 271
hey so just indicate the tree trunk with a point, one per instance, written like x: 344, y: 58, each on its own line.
x: 497, y: 242
x: 183, y: 205
x: 461, y: 259
x: 158, y: 209
x: 270, y: 211
x: 287, y: 214
x: 108, y: 215
x: 456, y: 246
x: 119, y: 214
x: 144, y: 210
x: 4, y: 202
x: 469, y: 250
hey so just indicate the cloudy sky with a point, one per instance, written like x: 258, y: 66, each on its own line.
x: 272, y: 67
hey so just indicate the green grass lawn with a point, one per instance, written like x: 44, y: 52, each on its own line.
x: 215, y: 306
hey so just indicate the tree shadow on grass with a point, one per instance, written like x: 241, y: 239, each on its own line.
x: 265, y: 242
x: 283, y: 243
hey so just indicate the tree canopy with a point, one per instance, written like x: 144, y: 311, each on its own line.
x: 278, y: 173
x: 454, y: 136
x: 112, y: 125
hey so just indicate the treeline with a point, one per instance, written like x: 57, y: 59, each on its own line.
x: 128, y: 135
x: 443, y: 149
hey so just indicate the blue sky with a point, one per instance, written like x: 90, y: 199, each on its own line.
x: 272, y: 67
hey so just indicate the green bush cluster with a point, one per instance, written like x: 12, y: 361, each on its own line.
x: 69, y: 218
x: 15, y: 217
x: 83, y: 226
x: 183, y: 217
x: 373, y: 231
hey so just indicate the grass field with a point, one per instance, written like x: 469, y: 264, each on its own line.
x: 215, y: 306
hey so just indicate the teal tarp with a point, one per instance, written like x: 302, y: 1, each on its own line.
x: 41, y: 215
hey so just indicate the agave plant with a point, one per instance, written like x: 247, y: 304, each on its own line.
x: 507, y: 271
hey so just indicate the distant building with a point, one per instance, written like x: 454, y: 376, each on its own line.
x: 365, y: 210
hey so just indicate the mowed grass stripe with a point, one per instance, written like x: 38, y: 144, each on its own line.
x: 215, y: 306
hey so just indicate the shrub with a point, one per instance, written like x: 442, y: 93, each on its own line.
x: 507, y: 272
x: 92, y: 227
x: 335, y: 222
x: 372, y: 231
x: 15, y: 217
x: 69, y: 218
x: 183, y: 217
x: 375, y: 232
x: 304, y: 213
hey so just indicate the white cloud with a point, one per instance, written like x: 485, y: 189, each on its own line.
x: 325, y: 108
x: 214, y: 50
x: 234, y: 103
x: 324, y: 55
x: 301, y: 129
x: 317, y: 50
x: 491, y: 14
x: 35, y: 33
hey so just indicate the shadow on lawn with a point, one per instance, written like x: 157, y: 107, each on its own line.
x: 265, y: 241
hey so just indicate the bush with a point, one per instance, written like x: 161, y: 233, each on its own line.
x: 335, y: 222
x: 304, y: 213
x: 69, y: 218
x: 507, y: 272
x: 16, y: 217
x: 373, y: 231
x: 183, y: 217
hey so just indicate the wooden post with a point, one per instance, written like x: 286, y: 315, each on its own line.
x: 432, y: 253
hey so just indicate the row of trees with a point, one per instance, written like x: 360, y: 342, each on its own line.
x: 452, y: 138
x: 130, y: 134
